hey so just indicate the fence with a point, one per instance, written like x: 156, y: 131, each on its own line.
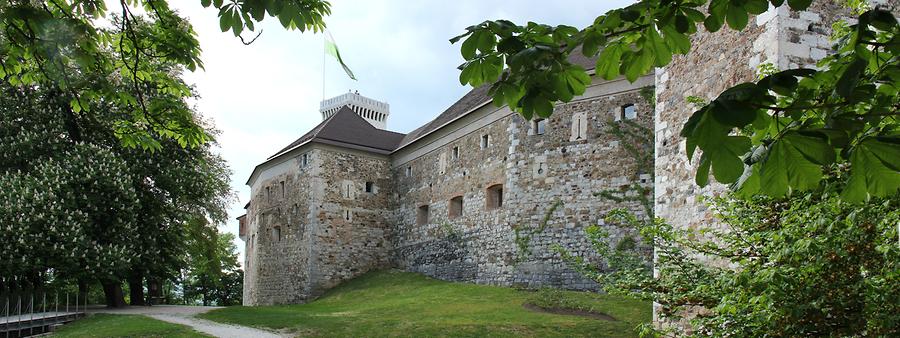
x: 27, y: 314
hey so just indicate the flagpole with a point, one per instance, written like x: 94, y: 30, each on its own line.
x: 323, y: 65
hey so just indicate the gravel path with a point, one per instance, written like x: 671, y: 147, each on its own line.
x: 184, y: 315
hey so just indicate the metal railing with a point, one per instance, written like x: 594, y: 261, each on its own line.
x: 30, y: 313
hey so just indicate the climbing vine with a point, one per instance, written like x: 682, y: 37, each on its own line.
x: 524, y: 234
x: 628, y: 254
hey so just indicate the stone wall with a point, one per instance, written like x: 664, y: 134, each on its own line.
x: 306, y: 234
x: 717, y: 61
x: 534, y: 170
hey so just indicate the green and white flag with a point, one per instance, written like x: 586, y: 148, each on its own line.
x: 331, y: 49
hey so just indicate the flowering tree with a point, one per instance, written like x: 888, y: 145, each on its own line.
x: 80, y: 204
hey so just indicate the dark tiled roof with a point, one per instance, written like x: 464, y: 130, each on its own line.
x: 346, y: 128
x: 475, y: 98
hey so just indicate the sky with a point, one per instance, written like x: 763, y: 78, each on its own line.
x: 264, y: 96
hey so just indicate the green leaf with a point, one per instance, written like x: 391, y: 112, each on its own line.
x: 237, y: 26
x: 224, y: 20
x: 76, y: 105
x: 609, y: 60
x: 882, y: 19
x: 465, y: 75
x: 717, y: 13
x: 258, y: 12
x: 875, y: 169
x: 725, y: 160
x: 486, y: 42
x: 794, y: 163
x: 756, y: 7
x: 850, y: 77
x: 592, y: 43
x: 677, y: 42
x: 682, y: 25
x: 798, y: 5
x: 702, y: 176
x: 661, y: 53
x: 713, y: 23
x: 737, y: 17
x: 733, y: 113
x: 638, y: 64
x: 471, y: 45
x: 571, y: 82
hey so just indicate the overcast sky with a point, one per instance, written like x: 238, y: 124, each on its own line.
x: 264, y: 96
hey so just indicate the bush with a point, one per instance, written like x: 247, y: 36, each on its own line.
x: 808, y: 265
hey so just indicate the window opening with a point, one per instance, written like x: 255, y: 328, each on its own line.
x: 456, y: 207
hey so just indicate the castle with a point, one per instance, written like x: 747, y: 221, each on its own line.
x: 443, y: 200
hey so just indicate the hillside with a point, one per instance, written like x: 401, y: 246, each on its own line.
x: 393, y: 303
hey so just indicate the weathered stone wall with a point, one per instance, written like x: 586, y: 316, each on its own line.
x: 534, y: 170
x: 277, y: 270
x: 300, y: 241
x: 718, y: 61
x: 353, y: 236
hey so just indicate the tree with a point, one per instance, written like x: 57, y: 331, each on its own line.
x: 806, y: 265
x: 773, y: 136
x: 212, y: 274
x: 82, y: 205
x: 65, y: 204
x: 51, y: 43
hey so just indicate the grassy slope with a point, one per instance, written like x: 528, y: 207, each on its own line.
x: 106, y: 325
x: 392, y: 303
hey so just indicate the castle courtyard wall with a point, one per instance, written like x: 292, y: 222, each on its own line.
x: 535, y: 171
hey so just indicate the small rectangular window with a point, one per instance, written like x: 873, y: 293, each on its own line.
x: 304, y: 160
x: 408, y: 171
x: 539, y: 126
x: 485, y: 141
x: 348, y: 215
x: 276, y: 234
x: 370, y: 187
x: 495, y: 196
x: 629, y: 112
x: 268, y: 195
x: 455, y: 152
x: 422, y: 215
x: 282, y: 189
x: 456, y: 207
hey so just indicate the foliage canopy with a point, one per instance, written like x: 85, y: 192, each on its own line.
x: 773, y: 136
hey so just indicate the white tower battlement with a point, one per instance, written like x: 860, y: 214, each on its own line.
x: 373, y: 111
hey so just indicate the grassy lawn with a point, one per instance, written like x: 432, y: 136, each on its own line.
x: 393, y: 303
x: 105, y: 325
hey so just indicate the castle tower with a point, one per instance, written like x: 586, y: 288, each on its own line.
x: 373, y: 111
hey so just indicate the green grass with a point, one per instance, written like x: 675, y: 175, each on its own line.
x: 106, y: 325
x: 585, y: 301
x: 393, y: 303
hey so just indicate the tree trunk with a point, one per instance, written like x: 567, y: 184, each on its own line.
x: 136, y: 289
x: 113, y: 292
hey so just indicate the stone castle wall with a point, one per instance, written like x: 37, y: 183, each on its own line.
x: 320, y: 229
x: 310, y: 227
x: 786, y: 39
x: 534, y: 171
